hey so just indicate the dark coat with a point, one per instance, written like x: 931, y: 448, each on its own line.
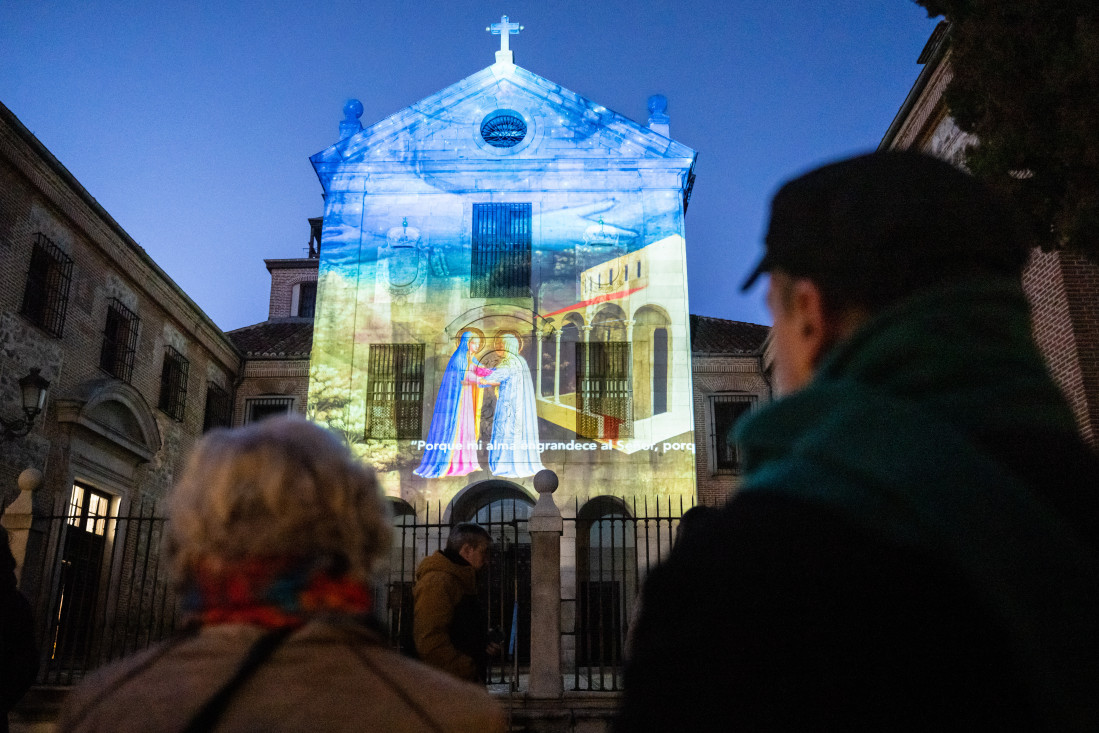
x: 913, y: 548
x: 18, y: 652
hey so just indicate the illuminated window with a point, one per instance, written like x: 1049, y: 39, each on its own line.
x: 604, y: 398
x: 261, y: 408
x: 173, y: 384
x: 46, y: 293
x: 219, y: 408
x: 725, y: 410
x: 395, y: 391
x: 89, y: 510
x: 500, y: 266
x: 119, y: 341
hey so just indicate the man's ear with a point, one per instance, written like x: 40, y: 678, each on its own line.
x: 815, y: 329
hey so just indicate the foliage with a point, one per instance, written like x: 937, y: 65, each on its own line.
x: 1026, y: 83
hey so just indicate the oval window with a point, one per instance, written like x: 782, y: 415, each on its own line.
x: 504, y: 129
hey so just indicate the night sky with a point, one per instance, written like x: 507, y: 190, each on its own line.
x: 192, y: 122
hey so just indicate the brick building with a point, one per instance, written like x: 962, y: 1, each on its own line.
x: 137, y: 371
x: 136, y: 368
x: 275, y: 376
x: 1063, y: 287
x: 730, y: 379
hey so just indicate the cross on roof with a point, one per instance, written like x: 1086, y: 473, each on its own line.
x: 504, y: 29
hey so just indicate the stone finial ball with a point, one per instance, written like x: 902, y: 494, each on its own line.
x: 30, y: 479
x: 353, y: 109
x: 545, y: 481
x: 658, y: 104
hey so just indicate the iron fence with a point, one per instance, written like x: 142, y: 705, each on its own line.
x: 97, y: 584
x: 617, y: 543
x: 101, y: 592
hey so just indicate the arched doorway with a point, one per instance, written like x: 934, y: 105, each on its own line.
x: 606, y: 579
x: 404, y: 555
x: 503, y: 508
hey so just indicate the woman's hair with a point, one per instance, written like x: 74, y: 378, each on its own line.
x: 280, y: 488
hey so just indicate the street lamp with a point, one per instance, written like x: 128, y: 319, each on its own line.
x: 33, y: 389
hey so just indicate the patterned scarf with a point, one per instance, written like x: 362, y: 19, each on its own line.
x: 272, y: 592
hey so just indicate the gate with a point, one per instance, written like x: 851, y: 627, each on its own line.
x: 96, y: 584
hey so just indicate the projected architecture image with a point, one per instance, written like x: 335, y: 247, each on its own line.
x: 503, y: 289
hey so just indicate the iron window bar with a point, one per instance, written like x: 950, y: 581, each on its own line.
x: 46, y: 294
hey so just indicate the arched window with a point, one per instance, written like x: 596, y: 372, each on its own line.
x: 503, y: 508
x: 406, y: 550
x: 652, y: 361
x: 606, y: 580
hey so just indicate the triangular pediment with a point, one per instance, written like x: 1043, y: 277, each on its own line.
x: 560, y: 125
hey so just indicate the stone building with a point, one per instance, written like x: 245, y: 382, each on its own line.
x: 1061, y: 285
x: 136, y: 372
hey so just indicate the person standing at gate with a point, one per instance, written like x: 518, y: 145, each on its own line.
x: 448, y: 622
x: 275, y: 532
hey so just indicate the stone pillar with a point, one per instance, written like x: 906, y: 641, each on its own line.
x: 557, y: 369
x: 18, y: 517
x: 545, y: 527
x: 539, y: 334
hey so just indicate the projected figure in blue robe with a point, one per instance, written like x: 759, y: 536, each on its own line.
x: 514, y: 448
x: 452, y: 438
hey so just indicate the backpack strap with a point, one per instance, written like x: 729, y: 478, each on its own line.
x: 210, y: 713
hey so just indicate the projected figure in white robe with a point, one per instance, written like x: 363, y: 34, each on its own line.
x: 513, y: 451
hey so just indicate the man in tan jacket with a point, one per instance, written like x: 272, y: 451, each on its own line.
x: 449, y: 625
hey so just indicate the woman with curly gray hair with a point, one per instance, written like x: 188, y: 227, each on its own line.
x: 275, y: 530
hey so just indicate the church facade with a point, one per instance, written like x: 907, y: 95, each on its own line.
x: 502, y: 289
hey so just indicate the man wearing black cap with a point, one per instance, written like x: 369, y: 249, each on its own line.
x: 914, y: 544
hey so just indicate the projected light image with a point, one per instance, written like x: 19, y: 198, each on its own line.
x: 487, y: 310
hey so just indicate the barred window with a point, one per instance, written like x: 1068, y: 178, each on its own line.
x: 173, y: 384
x: 500, y: 267
x: 725, y: 410
x: 604, y: 396
x: 395, y: 391
x: 219, y: 408
x: 261, y: 408
x: 46, y: 294
x: 119, y: 341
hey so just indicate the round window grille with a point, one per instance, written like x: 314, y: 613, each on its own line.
x: 503, y: 129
